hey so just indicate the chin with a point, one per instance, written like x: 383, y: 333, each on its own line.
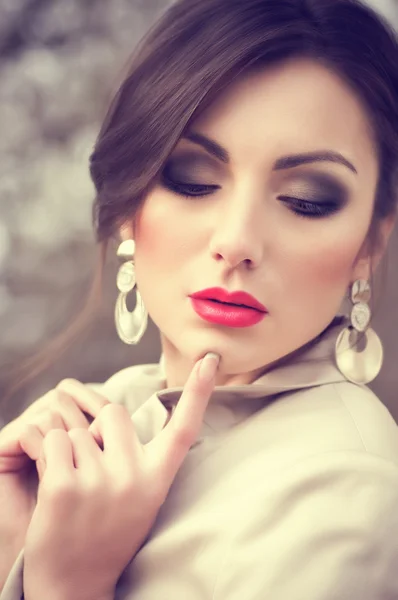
x: 194, y: 343
x: 231, y: 362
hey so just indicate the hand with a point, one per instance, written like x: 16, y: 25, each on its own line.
x: 17, y: 503
x: 96, y: 507
x: 20, y: 445
x: 65, y: 407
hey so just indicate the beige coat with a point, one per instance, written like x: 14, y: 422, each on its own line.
x: 290, y: 492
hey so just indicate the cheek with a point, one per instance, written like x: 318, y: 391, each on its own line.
x: 153, y: 236
x: 151, y: 244
x: 331, y: 265
x: 162, y: 237
x: 324, y: 274
x: 313, y: 280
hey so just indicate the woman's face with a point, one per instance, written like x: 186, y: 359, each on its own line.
x: 286, y: 230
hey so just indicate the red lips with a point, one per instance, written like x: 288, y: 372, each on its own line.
x: 237, y: 298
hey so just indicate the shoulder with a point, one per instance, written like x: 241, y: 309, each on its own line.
x: 332, y: 417
x: 325, y: 527
x: 370, y: 418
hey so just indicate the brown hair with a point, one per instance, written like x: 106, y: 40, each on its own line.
x: 194, y: 51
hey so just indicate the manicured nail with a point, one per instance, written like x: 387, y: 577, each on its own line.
x: 208, y: 366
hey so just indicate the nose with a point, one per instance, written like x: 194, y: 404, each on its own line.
x: 236, y: 239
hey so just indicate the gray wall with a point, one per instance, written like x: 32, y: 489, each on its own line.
x: 59, y: 62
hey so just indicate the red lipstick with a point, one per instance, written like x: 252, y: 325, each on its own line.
x: 233, y: 309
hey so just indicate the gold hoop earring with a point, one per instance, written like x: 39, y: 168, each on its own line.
x: 359, y: 366
x: 130, y: 326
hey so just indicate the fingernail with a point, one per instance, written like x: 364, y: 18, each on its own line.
x: 208, y: 366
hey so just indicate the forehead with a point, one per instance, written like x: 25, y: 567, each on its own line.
x: 299, y: 105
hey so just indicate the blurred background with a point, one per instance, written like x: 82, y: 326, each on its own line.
x: 60, y: 62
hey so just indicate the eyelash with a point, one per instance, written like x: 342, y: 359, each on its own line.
x: 198, y: 191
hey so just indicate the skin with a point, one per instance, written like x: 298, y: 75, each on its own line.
x: 243, y: 237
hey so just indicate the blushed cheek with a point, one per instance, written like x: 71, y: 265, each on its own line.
x: 159, y: 235
x: 151, y: 235
x: 149, y: 243
x: 328, y: 272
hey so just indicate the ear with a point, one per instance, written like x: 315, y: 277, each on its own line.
x: 369, y: 260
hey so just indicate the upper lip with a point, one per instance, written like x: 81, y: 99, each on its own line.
x: 237, y: 297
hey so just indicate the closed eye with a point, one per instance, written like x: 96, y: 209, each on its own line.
x: 190, y: 190
x: 300, y: 206
x: 311, y: 209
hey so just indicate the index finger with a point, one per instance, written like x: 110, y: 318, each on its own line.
x: 173, y: 442
x: 87, y: 400
x: 189, y: 412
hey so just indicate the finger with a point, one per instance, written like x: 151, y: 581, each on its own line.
x: 86, y: 399
x: 190, y: 409
x: 28, y: 436
x: 114, y: 429
x: 33, y: 434
x: 31, y: 441
x: 86, y: 453
x: 57, y: 454
x: 27, y: 440
x: 71, y: 414
x: 40, y: 467
x: 174, y: 441
x: 64, y: 415
x: 18, y: 449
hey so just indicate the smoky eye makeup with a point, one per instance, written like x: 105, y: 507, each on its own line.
x: 321, y: 185
x: 307, y: 191
x: 190, y: 167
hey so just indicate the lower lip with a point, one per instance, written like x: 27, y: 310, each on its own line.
x: 226, y: 314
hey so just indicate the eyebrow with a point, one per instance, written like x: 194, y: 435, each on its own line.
x: 285, y: 162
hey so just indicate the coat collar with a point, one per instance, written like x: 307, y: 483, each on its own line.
x: 311, y: 365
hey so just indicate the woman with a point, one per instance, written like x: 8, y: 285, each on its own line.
x: 248, y: 168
